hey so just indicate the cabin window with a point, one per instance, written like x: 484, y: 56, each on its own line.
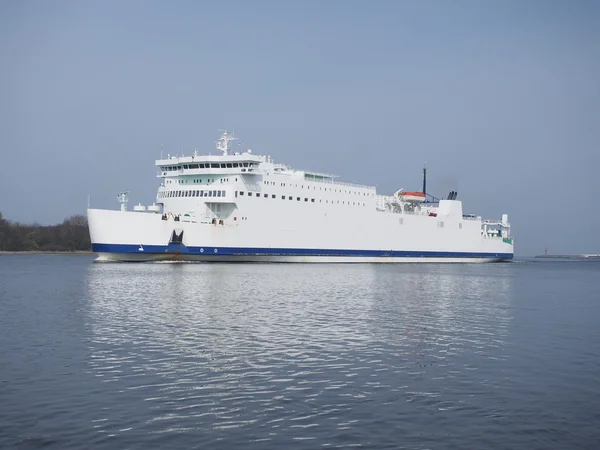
x: 241, y: 192
x: 201, y: 166
x: 236, y: 194
x: 283, y: 197
x: 249, y: 194
x: 193, y: 166
x: 214, y: 166
x: 273, y: 196
x: 290, y: 197
x: 210, y: 193
x: 185, y: 166
x: 298, y: 198
x: 229, y: 165
x: 305, y: 199
x: 223, y: 165
x: 266, y: 196
x: 312, y: 200
x: 223, y: 192
x: 235, y: 164
x: 245, y: 164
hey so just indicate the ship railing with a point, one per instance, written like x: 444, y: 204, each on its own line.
x: 415, y: 213
x: 341, y: 183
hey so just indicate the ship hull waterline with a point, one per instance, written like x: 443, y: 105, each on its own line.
x: 136, y: 253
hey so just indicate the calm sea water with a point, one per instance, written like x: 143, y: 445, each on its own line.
x: 259, y: 356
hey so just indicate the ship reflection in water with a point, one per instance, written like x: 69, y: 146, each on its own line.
x: 235, y: 354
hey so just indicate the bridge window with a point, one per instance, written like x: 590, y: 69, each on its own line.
x: 245, y: 164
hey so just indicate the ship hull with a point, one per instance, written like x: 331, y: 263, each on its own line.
x: 172, y: 257
x: 141, y: 237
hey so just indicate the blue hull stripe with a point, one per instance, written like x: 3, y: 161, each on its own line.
x: 175, y: 249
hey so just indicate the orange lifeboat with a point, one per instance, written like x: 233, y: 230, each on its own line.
x: 413, y: 197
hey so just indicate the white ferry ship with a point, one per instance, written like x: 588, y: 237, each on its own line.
x: 242, y: 207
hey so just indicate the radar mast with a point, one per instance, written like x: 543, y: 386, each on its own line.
x: 223, y: 142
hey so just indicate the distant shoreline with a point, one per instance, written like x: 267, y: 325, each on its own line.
x: 582, y: 256
x: 48, y: 252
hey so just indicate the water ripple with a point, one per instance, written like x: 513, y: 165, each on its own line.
x: 224, y: 356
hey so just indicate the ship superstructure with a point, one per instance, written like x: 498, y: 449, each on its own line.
x: 238, y: 206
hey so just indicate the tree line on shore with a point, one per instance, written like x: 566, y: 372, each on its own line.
x: 71, y: 235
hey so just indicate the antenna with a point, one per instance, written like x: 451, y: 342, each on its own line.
x: 223, y: 142
x: 425, y: 179
x: 123, y: 199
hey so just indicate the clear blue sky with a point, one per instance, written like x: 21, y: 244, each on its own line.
x: 501, y: 99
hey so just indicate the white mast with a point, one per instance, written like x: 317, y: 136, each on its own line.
x: 223, y: 142
x: 122, y: 199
